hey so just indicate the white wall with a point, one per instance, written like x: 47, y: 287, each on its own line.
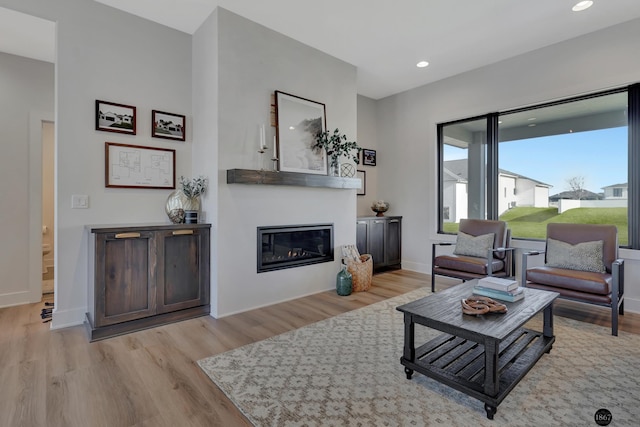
x: 407, y: 122
x: 541, y: 195
x: 88, y: 67
x: 368, y: 138
x: 566, y: 204
x: 205, y: 132
x: 253, y: 62
x: 27, y: 88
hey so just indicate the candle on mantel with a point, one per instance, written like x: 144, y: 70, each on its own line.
x: 263, y: 143
x: 275, y: 153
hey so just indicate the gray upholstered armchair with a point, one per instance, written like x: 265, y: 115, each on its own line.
x: 581, y: 264
x: 482, y: 249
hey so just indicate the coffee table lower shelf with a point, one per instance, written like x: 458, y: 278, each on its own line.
x: 460, y: 363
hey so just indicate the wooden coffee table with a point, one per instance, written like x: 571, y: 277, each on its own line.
x: 483, y: 356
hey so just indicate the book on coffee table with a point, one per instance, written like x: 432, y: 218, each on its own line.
x: 509, y: 296
x: 498, y: 283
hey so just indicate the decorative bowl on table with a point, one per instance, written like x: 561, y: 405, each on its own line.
x: 380, y: 207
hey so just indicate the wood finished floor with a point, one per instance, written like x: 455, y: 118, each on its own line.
x: 150, y: 378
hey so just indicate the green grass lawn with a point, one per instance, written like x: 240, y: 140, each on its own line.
x: 531, y: 223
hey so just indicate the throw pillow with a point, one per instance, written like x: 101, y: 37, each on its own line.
x: 477, y: 246
x: 585, y: 256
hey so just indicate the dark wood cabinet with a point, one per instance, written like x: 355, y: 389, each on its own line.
x: 380, y: 237
x: 182, y: 255
x: 146, y: 275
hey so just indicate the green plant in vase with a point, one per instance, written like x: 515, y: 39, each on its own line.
x: 184, y: 205
x: 195, y: 187
x: 337, y: 145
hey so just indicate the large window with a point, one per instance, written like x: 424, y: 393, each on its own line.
x: 463, y: 174
x: 559, y: 162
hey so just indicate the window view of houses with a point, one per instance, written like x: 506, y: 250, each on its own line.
x: 558, y: 163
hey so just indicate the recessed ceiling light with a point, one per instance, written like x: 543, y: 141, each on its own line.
x: 422, y: 64
x: 582, y: 5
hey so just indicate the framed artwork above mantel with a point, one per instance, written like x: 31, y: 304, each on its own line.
x: 299, y: 120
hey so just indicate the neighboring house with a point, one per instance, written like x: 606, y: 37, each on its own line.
x: 615, y: 196
x: 616, y: 191
x: 454, y: 197
x: 519, y: 190
x: 109, y: 119
x: 571, y: 195
x: 515, y: 190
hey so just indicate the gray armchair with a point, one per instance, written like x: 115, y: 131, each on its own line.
x: 581, y: 264
x: 482, y: 249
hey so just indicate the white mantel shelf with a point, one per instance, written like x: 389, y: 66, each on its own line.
x: 261, y: 177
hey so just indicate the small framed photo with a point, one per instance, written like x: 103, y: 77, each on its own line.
x: 362, y: 175
x: 167, y: 125
x: 368, y: 157
x: 112, y: 117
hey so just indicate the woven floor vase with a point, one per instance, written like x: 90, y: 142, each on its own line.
x: 361, y: 272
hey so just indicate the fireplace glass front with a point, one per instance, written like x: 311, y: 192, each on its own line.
x: 289, y: 246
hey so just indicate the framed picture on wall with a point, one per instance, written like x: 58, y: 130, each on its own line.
x: 167, y: 125
x: 112, y: 117
x: 362, y: 175
x: 299, y: 120
x: 135, y: 166
x: 368, y: 157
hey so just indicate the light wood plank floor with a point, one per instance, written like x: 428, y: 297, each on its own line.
x: 149, y: 378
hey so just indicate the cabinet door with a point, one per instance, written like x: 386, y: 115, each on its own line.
x: 183, y: 269
x: 393, y: 241
x: 362, y: 230
x: 376, y: 242
x: 125, y: 287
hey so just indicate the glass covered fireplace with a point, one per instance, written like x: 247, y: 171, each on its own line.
x: 291, y: 246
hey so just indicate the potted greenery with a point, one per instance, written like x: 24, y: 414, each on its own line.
x: 336, y: 145
x: 193, y: 188
x: 184, y: 205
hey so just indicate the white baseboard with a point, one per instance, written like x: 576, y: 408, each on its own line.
x: 67, y: 318
x: 632, y: 305
x: 418, y: 267
x: 17, y: 298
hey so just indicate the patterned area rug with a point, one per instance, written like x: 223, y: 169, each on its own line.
x: 346, y: 371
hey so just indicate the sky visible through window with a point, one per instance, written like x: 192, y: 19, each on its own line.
x: 599, y: 156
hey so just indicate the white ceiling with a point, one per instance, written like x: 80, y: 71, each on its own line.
x: 385, y: 39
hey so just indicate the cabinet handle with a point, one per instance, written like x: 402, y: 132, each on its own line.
x: 361, y: 222
x: 182, y: 232
x: 378, y: 222
x: 127, y: 235
x: 394, y: 220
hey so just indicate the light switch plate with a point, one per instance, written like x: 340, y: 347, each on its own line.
x: 79, y: 201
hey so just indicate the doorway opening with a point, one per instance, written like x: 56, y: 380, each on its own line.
x: 48, y: 207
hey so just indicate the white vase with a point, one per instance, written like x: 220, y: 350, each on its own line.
x: 178, y: 204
